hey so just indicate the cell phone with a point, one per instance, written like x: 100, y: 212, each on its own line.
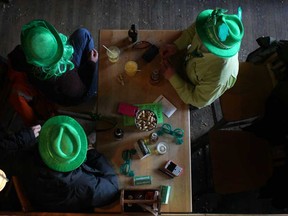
x: 173, y: 168
x: 150, y: 54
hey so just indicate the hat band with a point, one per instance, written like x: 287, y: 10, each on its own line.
x: 58, y: 142
x: 211, y: 33
x: 61, y: 66
x: 58, y: 69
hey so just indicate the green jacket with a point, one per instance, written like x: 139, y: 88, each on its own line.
x: 210, y: 76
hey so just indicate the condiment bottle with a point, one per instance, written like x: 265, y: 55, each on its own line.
x: 118, y: 133
x: 153, y: 138
x: 132, y: 33
x: 155, y: 77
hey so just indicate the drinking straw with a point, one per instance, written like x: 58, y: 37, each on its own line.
x: 108, y: 49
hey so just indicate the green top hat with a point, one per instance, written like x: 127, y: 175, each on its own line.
x: 220, y: 33
x: 44, y: 47
x: 62, y: 143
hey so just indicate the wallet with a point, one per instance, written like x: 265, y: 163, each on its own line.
x: 150, y: 54
x: 127, y: 109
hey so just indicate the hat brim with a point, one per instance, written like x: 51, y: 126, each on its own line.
x: 200, y: 29
x: 25, y: 44
x: 45, y: 145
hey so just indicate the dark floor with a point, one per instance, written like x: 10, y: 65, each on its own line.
x: 260, y: 18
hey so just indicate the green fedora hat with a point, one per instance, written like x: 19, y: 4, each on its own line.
x: 62, y: 143
x: 41, y: 43
x: 220, y: 33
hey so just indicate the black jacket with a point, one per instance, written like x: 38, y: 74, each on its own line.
x: 93, y: 184
x: 69, y: 89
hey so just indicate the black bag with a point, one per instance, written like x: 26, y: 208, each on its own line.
x: 268, y: 46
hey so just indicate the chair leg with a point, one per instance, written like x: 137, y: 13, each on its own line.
x: 199, y: 143
x: 240, y: 124
x: 24, y: 201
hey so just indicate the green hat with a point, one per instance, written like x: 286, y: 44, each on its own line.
x: 220, y: 33
x: 46, y: 48
x: 62, y: 143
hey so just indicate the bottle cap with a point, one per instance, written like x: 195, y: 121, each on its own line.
x: 118, y: 133
x: 155, y: 77
x: 161, y: 148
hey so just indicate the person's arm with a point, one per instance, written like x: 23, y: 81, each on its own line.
x: 199, y: 95
x: 22, y: 92
x: 20, y: 102
x: 105, y: 187
x: 180, y: 43
x: 186, y: 37
x: 22, y: 139
x: 208, y: 81
x: 88, y: 71
x: 99, y: 162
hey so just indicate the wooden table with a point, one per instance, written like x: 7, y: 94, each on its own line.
x: 138, y: 90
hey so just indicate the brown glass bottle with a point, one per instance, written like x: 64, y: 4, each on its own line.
x: 133, y: 34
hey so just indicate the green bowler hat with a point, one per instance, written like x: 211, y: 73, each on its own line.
x: 62, y: 143
x: 220, y: 33
x: 41, y: 43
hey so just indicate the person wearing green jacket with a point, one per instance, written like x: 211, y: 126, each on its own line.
x: 209, y: 64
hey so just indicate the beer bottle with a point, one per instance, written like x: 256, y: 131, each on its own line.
x: 132, y: 33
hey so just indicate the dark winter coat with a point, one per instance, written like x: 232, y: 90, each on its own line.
x: 69, y: 89
x: 93, y: 184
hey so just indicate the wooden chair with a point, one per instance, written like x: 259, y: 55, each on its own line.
x: 240, y: 161
x: 21, y: 194
x: 245, y: 101
x: 7, y: 113
x: 113, y: 208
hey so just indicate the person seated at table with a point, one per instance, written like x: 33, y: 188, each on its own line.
x: 48, y: 69
x: 203, y: 62
x: 59, y: 173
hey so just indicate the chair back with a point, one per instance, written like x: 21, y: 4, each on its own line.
x: 21, y: 194
x: 247, y: 98
x: 240, y: 161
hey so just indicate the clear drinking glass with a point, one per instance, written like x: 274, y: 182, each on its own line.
x: 113, y: 54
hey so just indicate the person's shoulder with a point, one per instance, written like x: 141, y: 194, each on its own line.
x: 225, y: 61
x: 16, y: 51
x: 18, y: 59
x: 231, y: 61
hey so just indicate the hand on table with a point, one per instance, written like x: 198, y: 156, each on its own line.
x: 36, y: 130
x: 166, y: 69
x: 168, y: 50
x: 93, y: 55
